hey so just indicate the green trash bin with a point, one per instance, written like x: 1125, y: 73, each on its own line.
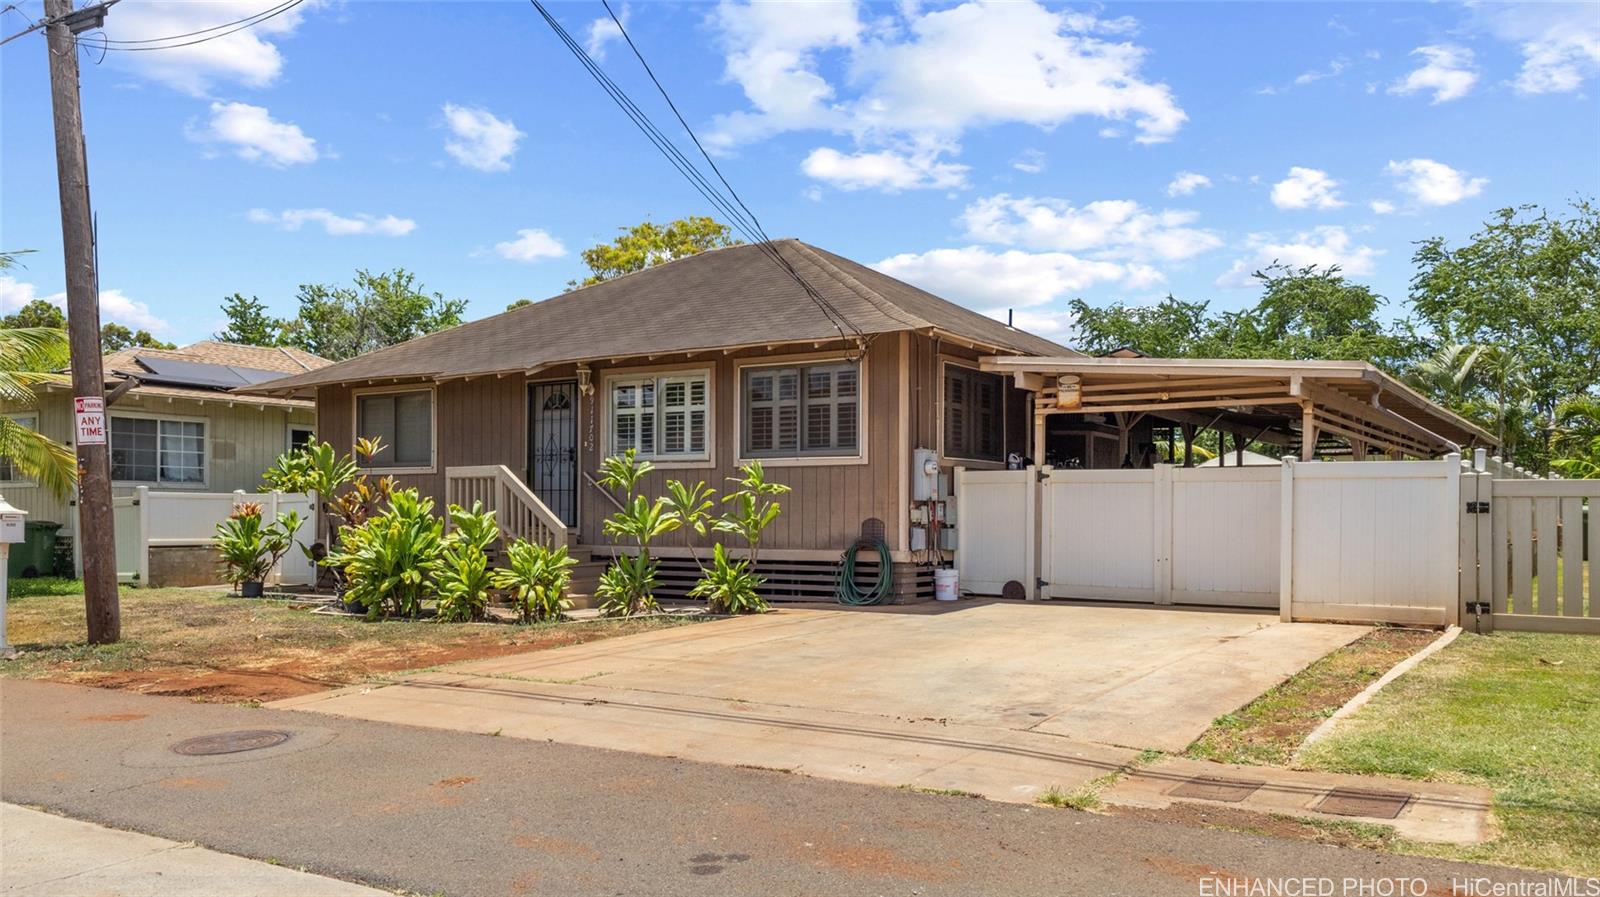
x: 35, y: 555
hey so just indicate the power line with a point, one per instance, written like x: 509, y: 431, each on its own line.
x: 234, y: 27
x: 742, y: 219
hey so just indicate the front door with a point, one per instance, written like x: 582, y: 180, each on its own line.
x: 553, y: 446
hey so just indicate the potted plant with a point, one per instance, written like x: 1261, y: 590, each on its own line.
x: 250, y: 548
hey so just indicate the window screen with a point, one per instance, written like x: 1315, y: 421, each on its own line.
x: 404, y: 423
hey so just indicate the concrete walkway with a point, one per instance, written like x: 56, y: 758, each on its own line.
x: 42, y: 855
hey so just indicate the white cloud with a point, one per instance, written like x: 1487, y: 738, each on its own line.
x: 1029, y: 161
x: 1111, y: 229
x: 1381, y: 207
x: 480, y: 139
x: 985, y: 279
x: 1334, y: 69
x: 531, y: 245
x: 922, y: 78
x: 885, y: 170
x: 252, y: 134
x: 1046, y: 322
x: 1559, y: 42
x: 603, y: 31
x: 1434, y: 183
x: 1321, y: 246
x: 1448, y: 72
x: 248, y: 57
x: 1306, y: 188
x: 115, y: 305
x: 1184, y: 183
x: 336, y: 225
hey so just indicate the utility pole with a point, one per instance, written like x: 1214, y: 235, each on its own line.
x: 97, y: 542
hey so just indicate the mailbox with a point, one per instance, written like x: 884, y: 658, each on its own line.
x: 11, y: 523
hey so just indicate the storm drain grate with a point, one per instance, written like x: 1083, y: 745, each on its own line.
x: 1362, y: 802
x: 1216, y: 788
x: 230, y: 742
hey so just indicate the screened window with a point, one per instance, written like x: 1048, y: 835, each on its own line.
x: 149, y: 450
x: 661, y: 417
x: 403, y: 421
x: 974, y: 422
x: 8, y: 472
x: 813, y: 410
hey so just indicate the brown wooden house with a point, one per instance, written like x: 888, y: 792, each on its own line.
x: 833, y: 375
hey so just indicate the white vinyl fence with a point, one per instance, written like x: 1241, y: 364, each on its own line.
x: 1357, y: 541
x: 146, y: 521
x: 1525, y: 546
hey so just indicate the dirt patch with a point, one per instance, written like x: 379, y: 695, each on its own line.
x: 1271, y: 825
x: 455, y: 781
x: 1271, y: 727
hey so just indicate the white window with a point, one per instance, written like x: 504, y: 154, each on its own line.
x: 158, y: 450
x: 663, y: 417
x: 812, y: 410
x: 403, y: 421
x: 8, y: 472
x: 301, y: 436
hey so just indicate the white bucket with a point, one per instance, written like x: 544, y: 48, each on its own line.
x: 944, y: 584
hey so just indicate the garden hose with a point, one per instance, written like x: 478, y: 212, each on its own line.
x: 847, y: 591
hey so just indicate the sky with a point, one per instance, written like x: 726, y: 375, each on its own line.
x: 1008, y: 156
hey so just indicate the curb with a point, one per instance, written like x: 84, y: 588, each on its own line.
x: 1356, y: 703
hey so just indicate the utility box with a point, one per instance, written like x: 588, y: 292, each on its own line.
x: 12, y: 520
x: 924, y: 475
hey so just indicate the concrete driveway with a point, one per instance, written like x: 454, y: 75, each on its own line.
x: 1002, y: 699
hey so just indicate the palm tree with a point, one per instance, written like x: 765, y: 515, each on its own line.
x: 31, y: 357
x: 1577, y: 438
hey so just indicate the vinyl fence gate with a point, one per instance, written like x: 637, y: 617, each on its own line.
x: 1528, y: 552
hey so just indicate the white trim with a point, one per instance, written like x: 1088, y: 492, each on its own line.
x: 23, y: 483
x: 433, y: 429
x: 863, y: 431
x: 288, y: 432
x: 704, y: 460
x: 938, y: 414
x: 205, y: 447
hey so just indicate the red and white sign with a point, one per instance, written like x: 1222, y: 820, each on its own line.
x: 91, y: 411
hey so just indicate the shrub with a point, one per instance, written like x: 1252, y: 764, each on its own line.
x: 250, y: 548
x: 346, y: 495
x: 628, y: 586
x: 464, y: 578
x: 751, y: 509
x: 728, y: 586
x: 389, y: 561
x: 537, y: 576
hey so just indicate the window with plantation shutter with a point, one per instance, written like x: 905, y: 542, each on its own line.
x: 974, y: 415
x: 403, y: 422
x: 665, y: 417
x: 812, y: 410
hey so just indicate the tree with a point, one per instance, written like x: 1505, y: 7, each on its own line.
x: 379, y: 310
x: 648, y: 244
x: 116, y: 337
x: 248, y: 322
x: 1310, y: 313
x: 1169, y: 329
x: 37, y: 313
x: 31, y: 357
x: 1523, y: 288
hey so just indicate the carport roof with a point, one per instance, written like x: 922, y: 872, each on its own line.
x: 1350, y: 399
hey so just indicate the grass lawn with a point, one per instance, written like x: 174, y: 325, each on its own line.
x: 211, y: 646
x: 1516, y: 712
x: 1270, y: 728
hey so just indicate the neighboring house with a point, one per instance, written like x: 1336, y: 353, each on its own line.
x: 700, y: 364
x: 174, y: 423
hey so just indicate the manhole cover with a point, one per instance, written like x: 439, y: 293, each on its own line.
x: 231, y: 742
x: 1213, y: 788
x: 1362, y: 802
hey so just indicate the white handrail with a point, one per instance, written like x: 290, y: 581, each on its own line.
x: 519, y: 511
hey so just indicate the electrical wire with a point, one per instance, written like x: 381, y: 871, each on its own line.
x: 280, y: 8
x: 736, y: 210
x: 233, y: 27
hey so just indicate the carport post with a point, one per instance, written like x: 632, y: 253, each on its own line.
x: 1286, y: 544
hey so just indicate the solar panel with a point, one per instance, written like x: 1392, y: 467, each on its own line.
x: 196, y: 373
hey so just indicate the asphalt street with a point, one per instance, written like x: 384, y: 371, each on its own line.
x: 438, y: 812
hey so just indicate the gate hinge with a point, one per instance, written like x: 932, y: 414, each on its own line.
x: 1477, y: 507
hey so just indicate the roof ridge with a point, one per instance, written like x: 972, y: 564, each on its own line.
x: 872, y: 297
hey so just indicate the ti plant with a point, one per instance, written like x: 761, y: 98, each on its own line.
x: 345, y: 493
x: 627, y: 587
x: 391, y: 558
x: 751, y: 508
x: 537, y: 577
x: 249, y: 547
x: 464, y: 578
x: 729, y: 586
x: 692, y: 505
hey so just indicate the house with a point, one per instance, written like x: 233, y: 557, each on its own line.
x: 861, y: 392
x: 174, y: 424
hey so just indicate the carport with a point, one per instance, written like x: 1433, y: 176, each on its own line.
x: 1140, y: 523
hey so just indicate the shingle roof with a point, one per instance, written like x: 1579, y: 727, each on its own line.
x: 724, y: 297
x: 287, y: 360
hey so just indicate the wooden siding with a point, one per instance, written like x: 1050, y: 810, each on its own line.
x: 241, y: 443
